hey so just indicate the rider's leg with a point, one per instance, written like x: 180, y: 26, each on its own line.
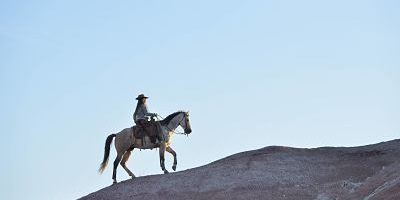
x: 142, y: 123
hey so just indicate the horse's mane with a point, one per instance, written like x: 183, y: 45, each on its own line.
x: 170, y: 117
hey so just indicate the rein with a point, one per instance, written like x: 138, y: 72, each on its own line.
x: 179, y: 133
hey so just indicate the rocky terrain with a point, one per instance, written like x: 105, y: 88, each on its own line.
x: 328, y: 173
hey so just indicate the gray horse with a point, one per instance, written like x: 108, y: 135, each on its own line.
x: 125, y: 142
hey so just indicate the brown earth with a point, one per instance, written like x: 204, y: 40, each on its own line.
x: 328, y: 173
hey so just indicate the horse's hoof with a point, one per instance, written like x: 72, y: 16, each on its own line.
x: 166, y: 172
x: 174, y: 168
x: 133, y: 177
x: 114, y: 182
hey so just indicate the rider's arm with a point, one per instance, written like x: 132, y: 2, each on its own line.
x: 148, y: 113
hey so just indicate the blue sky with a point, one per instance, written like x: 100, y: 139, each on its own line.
x: 252, y: 74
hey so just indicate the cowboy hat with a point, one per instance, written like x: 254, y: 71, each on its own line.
x: 141, y: 96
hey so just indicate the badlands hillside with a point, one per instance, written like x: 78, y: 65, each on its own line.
x: 328, y: 173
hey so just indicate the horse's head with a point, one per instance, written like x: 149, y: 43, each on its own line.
x: 185, y: 123
x: 176, y: 119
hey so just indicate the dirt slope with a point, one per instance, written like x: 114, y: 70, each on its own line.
x: 367, y: 173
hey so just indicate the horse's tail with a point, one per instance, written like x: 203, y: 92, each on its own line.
x: 103, y: 165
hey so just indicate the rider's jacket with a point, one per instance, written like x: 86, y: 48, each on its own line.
x: 142, y: 113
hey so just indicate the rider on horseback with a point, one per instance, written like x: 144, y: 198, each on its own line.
x: 140, y: 116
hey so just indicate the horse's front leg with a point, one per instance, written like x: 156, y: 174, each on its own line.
x: 170, y: 150
x: 163, y: 147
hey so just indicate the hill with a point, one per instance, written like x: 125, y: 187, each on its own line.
x: 278, y: 173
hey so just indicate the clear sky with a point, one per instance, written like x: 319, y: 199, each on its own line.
x: 251, y: 73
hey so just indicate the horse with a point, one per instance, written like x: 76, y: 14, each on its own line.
x: 125, y: 142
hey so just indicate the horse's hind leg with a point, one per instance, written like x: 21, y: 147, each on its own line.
x: 125, y: 158
x: 116, y: 162
x: 170, y: 150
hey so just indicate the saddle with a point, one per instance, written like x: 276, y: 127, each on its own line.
x: 148, y: 128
